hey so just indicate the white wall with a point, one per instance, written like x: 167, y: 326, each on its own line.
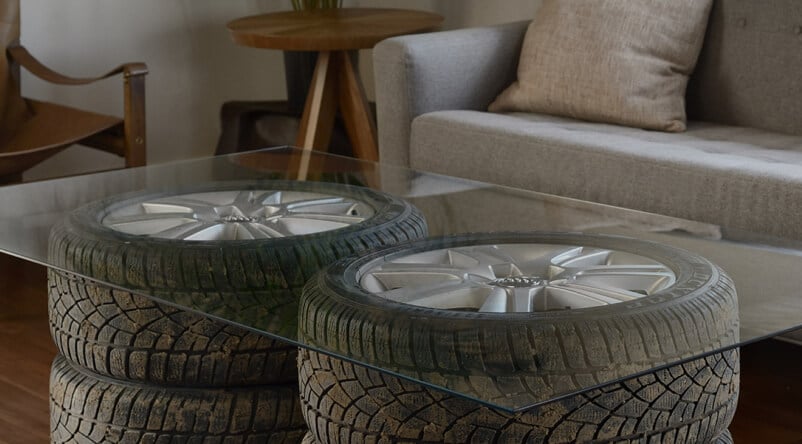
x: 194, y: 67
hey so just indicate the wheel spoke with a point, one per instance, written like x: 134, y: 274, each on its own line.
x: 337, y: 218
x: 147, y: 227
x: 389, y: 280
x: 343, y: 209
x: 252, y: 231
x: 488, y: 262
x: 536, y: 257
x: 457, y: 258
x: 273, y: 230
x: 496, y: 301
x: 566, y: 297
x: 198, y: 208
x: 273, y: 233
x: 620, y: 269
x: 491, y: 255
x: 505, y: 270
x: 405, y: 267
x: 160, y: 207
x: 581, y: 257
x: 646, y: 283
x: 147, y: 217
x: 299, y: 205
x: 614, y: 270
x: 244, y: 197
x: 190, y: 231
x: 181, y: 201
x: 269, y: 198
x: 536, y: 260
x: 445, y: 295
x: 296, y: 225
x: 574, y: 295
x: 511, y: 300
x: 523, y: 299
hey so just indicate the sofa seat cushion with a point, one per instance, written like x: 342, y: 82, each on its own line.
x: 739, y: 178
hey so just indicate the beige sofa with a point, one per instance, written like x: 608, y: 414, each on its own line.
x: 739, y: 164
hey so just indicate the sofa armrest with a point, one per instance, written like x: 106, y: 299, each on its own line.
x: 417, y: 74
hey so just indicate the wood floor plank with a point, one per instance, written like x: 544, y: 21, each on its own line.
x: 26, y: 352
x: 23, y: 419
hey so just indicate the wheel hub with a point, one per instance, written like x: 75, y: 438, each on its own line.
x: 238, y: 219
x: 518, y: 282
x: 234, y: 214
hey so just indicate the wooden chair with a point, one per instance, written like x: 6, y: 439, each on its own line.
x: 32, y: 130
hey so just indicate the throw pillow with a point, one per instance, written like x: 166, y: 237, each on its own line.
x: 617, y: 61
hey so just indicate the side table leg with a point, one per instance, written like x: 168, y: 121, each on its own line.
x: 356, y: 113
x: 358, y: 119
x: 318, y: 118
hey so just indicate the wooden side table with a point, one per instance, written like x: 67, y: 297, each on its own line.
x: 335, y: 82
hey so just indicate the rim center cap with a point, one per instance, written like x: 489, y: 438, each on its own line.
x: 518, y: 282
x: 238, y: 219
x: 235, y: 214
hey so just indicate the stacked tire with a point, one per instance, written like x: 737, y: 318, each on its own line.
x: 135, y: 370
x: 684, y: 307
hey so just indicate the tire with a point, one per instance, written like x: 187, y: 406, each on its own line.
x: 517, y: 359
x: 123, y: 335
x: 725, y: 438
x: 87, y: 408
x: 690, y: 403
x: 553, y: 351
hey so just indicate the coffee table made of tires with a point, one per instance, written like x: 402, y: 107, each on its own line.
x: 218, y: 299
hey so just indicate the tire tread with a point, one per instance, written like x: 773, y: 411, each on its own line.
x: 347, y: 403
x: 86, y: 408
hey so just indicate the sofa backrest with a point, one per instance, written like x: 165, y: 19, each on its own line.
x: 749, y: 72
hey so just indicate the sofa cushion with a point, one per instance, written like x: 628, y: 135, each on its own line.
x: 736, y: 177
x: 748, y: 69
x: 618, y: 61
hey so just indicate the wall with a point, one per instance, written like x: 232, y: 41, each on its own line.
x: 194, y: 67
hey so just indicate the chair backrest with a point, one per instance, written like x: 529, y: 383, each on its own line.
x: 13, y: 110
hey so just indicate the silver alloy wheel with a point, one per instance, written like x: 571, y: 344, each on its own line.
x: 237, y: 215
x: 508, y: 278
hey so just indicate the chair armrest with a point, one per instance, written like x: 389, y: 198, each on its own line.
x: 24, y: 58
x: 417, y: 74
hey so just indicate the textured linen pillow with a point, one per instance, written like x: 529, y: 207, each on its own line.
x: 617, y: 61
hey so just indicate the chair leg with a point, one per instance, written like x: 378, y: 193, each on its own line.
x: 135, y: 143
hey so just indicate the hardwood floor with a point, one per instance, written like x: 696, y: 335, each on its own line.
x: 769, y: 411
x: 770, y: 404
x: 26, y: 351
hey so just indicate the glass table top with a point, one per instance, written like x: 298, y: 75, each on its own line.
x: 479, y: 308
